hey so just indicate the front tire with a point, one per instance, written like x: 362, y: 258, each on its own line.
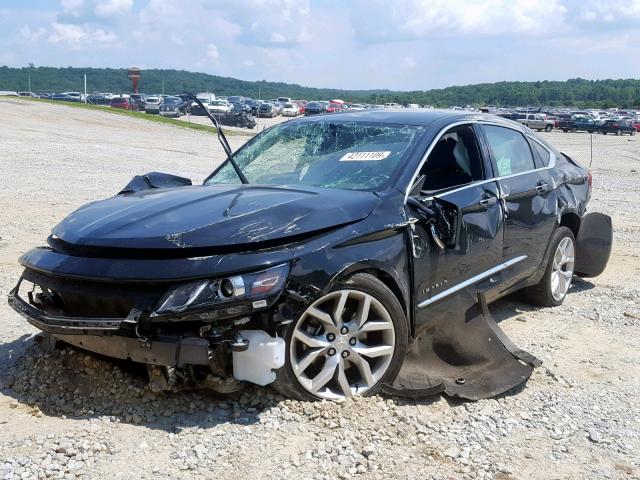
x: 349, y: 342
x: 548, y: 128
x: 556, y: 281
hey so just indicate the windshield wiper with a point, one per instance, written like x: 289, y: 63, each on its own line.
x: 221, y: 137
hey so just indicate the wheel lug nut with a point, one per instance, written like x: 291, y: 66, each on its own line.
x: 352, y: 341
x: 332, y: 351
x: 331, y: 337
x: 344, y: 330
x: 345, y: 354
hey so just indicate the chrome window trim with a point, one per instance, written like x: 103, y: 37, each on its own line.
x: 470, y: 281
x: 552, y: 158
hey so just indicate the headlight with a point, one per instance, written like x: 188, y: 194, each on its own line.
x: 250, y: 289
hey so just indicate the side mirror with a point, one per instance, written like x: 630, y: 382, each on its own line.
x: 442, y: 219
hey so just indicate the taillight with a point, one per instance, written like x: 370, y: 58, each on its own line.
x: 589, y: 179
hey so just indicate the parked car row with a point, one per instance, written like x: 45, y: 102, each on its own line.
x: 586, y: 123
x: 239, y: 110
x: 612, y: 121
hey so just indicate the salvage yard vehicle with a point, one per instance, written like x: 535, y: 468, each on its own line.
x: 152, y: 104
x: 124, y: 103
x: 536, y: 121
x: 290, y: 110
x: 171, y: 107
x: 579, y: 123
x: 618, y: 127
x: 329, y: 256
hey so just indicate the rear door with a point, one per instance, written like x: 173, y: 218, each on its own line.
x: 528, y: 198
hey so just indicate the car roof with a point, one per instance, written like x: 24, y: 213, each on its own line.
x: 415, y: 117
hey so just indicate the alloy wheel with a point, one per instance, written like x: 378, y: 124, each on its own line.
x: 562, y: 273
x: 342, y: 345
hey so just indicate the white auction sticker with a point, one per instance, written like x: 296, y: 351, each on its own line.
x: 364, y: 156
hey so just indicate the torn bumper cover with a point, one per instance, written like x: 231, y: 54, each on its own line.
x: 593, y: 245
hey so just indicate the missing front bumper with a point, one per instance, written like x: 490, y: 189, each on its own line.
x: 163, y: 351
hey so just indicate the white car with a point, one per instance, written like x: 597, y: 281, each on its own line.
x: 219, y: 106
x: 152, y: 105
x: 289, y: 110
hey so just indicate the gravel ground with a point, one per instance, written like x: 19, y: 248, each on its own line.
x: 68, y: 414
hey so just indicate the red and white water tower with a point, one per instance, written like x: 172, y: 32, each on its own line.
x: 134, y: 75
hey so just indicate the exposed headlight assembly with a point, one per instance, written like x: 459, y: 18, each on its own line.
x: 249, y: 290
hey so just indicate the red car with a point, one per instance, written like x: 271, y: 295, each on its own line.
x: 301, y: 106
x: 335, y: 107
x: 636, y: 124
x: 125, y: 103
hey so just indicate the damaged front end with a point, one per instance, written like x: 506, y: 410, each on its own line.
x: 224, y: 328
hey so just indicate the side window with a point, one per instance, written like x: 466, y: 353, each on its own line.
x: 509, y: 149
x: 542, y: 154
x: 455, y: 160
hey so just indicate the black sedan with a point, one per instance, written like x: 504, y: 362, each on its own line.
x: 315, y: 108
x: 332, y: 256
x: 618, y: 127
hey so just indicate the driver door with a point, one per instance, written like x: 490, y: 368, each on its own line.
x: 456, y: 240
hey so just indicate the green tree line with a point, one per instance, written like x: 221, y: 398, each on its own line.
x: 575, y: 92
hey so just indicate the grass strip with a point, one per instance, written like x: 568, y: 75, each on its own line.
x: 130, y: 113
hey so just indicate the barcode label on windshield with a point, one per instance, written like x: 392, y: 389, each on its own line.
x: 364, y: 156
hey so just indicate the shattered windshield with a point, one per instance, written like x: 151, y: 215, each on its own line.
x: 330, y: 154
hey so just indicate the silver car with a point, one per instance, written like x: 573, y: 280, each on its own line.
x: 152, y: 105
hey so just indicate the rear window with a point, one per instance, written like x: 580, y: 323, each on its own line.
x: 510, y: 150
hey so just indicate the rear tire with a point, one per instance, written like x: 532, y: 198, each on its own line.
x: 548, y: 128
x: 302, y: 375
x: 556, y: 281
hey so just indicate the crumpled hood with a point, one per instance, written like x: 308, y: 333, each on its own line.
x: 211, y: 216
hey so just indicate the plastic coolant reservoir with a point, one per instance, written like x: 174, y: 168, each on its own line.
x: 256, y: 363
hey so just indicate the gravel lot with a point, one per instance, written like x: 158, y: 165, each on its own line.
x: 69, y: 414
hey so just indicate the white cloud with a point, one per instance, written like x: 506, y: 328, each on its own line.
x: 609, y: 10
x: 267, y: 23
x: 408, y: 62
x: 32, y: 35
x: 77, y: 36
x: 212, y: 52
x: 381, y: 20
x: 71, y: 5
x: 107, y: 8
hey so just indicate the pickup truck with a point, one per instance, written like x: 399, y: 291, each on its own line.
x: 579, y: 124
x: 538, y: 122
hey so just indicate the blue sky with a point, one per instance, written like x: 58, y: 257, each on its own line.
x: 398, y: 44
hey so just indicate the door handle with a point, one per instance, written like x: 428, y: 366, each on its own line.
x: 487, y: 201
x: 542, y: 187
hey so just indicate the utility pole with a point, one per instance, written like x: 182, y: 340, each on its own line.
x: 85, y: 88
x: 29, y: 82
x: 163, y: 86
